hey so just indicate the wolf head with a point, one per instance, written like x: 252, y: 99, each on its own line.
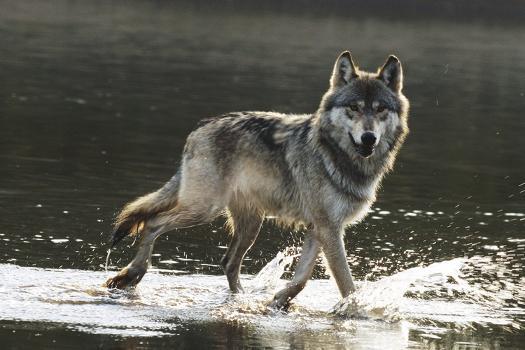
x: 365, y: 113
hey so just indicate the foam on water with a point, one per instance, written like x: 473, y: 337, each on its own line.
x: 438, y: 294
x: 384, y: 299
x: 434, y: 295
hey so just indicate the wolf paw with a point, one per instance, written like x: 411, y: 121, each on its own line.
x: 127, y: 277
x: 280, y: 304
x: 282, y: 299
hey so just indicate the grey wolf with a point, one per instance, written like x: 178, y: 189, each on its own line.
x: 321, y: 171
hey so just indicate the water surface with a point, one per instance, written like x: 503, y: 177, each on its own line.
x: 96, y: 102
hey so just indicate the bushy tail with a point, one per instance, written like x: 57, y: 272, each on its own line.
x: 134, y: 216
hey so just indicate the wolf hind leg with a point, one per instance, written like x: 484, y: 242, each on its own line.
x: 246, y: 223
x: 178, y: 217
x: 133, y: 217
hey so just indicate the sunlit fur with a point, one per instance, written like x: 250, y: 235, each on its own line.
x: 303, y: 169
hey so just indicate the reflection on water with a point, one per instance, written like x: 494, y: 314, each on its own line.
x: 96, y: 100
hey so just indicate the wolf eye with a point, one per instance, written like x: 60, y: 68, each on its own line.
x: 354, y: 108
x: 349, y: 113
x: 380, y: 109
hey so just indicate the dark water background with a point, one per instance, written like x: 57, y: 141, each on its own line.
x: 96, y: 99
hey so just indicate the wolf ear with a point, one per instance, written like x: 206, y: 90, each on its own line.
x: 344, y: 70
x: 392, y: 74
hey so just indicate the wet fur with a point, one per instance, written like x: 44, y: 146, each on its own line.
x: 299, y: 168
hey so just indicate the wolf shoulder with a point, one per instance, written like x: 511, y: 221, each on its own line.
x: 251, y: 131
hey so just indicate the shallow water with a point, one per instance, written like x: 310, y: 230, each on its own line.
x: 96, y: 102
x: 430, y: 304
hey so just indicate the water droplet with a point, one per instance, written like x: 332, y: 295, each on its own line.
x: 59, y: 240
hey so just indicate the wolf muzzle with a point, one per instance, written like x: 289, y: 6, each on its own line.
x: 367, y: 145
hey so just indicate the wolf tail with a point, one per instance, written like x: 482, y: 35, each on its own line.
x: 133, y: 217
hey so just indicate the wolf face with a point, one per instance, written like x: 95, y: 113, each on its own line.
x: 362, y: 111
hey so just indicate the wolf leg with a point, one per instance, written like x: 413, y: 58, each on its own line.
x: 135, y: 270
x: 246, y: 226
x: 178, y: 217
x: 303, y: 271
x: 334, y: 251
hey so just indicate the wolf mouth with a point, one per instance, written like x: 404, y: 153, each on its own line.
x: 362, y: 150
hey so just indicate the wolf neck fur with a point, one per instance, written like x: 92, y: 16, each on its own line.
x: 346, y: 170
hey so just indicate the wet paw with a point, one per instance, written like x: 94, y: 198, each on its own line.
x: 281, y: 300
x: 237, y: 288
x: 127, y: 277
x: 279, y: 304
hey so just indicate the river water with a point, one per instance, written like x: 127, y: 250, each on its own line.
x: 96, y: 100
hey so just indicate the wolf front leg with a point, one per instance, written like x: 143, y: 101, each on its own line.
x: 305, y: 267
x: 334, y: 251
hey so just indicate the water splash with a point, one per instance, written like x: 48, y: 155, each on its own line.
x: 268, y: 278
x: 383, y: 299
x: 107, y: 261
x: 250, y: 305
x: 441, y: 293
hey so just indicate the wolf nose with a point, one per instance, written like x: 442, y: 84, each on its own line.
x: 368, y: 139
